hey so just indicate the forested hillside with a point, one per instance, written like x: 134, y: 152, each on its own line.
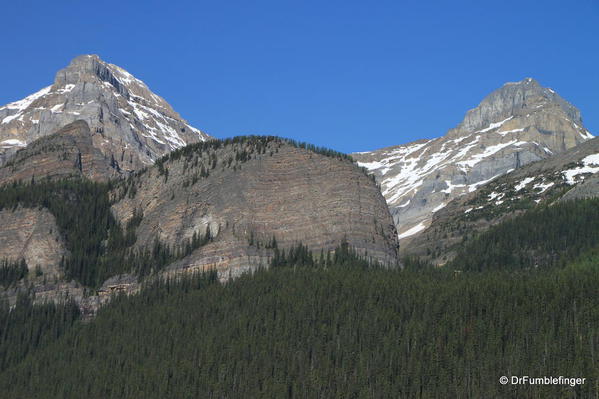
x: 544, y: 236
x: 519, y: 299
x: 340, y: 328
x: 99, y: 247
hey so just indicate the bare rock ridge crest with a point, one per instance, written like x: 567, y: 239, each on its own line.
x: 517, y: 124
x: 129, y: 125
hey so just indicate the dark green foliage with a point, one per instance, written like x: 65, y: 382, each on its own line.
x: 98, y: 246
x: 146, y: 261
x: 255, y: 145
x: 415, y: 263
x: 333, y: 332
x: 544, y: 236
x: 26, y: 328
x: 311, y: 326
x: 12, y: 271
x: 82, y: 212
x: 320, y: 150
x: 298, y: 255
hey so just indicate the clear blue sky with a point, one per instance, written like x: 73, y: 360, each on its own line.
x: 350, y: 75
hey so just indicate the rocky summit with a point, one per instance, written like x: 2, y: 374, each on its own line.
x: 129, y: 125
x: 517, y: 124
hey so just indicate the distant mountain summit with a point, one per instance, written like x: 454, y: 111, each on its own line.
x: 129, y: 125
x: 519, y: 123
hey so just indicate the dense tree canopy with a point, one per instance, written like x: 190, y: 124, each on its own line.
x: 343, y: 329
x: 544, y: 236
x: 311, y: 325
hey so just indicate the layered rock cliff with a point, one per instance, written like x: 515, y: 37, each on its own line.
x: 32, y: 235
x: 251, y: 191
x: 515, y: 125
x: 129, y: 125
x: 253, y: 197
x: 67, y: 153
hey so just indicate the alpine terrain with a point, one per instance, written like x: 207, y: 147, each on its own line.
x: 571, y: 175
x: 103, y: 186
x: 517, y: 124
x: 139, y: 258
x: 129, y: 125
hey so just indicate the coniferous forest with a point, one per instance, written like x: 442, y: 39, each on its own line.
x: 520, y: 299
x: 339, y: 330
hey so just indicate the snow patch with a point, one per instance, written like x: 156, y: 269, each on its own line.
x: 510, y: 131
x: 439, y: 207
x: 451, y: 187
x: 489, y: 151
x: 12, y: 143
x: 591, y: 159
x: 570, y: 175
x: 494, y: 125
x: 542, y: 186
x: 587, y: 135
x: 474, y: 187
x: 26, y: 102
x: 10, y: 118
x: 495, y: 195
x: 523, y: 183
x: 56, y: 108
x: 414, y: 230
x: 404, y: 204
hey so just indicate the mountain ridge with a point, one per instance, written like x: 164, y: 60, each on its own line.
x: 519, y: 123
x: 573, y: 174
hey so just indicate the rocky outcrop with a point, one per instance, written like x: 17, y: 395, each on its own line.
x: 32, y: 234
x: 249, y: 192
x: 66, y: 153
x: 515, y: 125
x: 129, y: 124
x: 573, y: 174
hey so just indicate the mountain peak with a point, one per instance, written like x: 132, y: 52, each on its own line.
x: 518, y: 123
x: 130, y: 125
x: 83, y: 68
x: 90, y: 69
x: 525, y: 81
x: 515, y: 99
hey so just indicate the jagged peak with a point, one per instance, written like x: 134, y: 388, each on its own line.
x: 121, y: 108
x: 89, y: 69
x: 512, y: 99
x: 525, y: 81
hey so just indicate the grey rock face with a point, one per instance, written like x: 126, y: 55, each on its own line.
x: 512, y: 100
x: 573, y: 174
x: 32, y: 234
x: 515, y: 125
x: 128, y: 122
x: 291, y: 194
x: 66, y: 153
